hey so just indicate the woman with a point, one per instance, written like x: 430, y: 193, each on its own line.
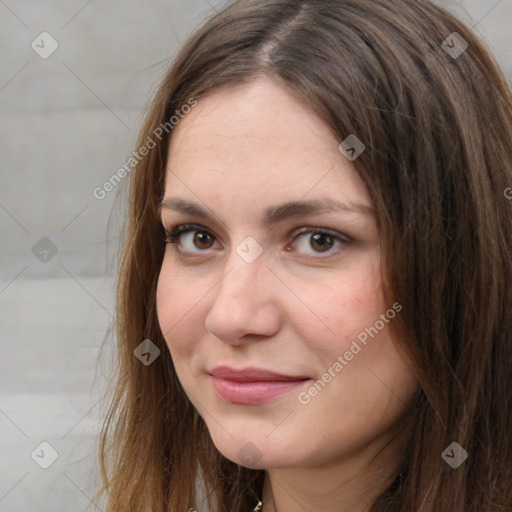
x: 314, y: 307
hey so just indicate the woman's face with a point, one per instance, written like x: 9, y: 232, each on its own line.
x: 277, y: 270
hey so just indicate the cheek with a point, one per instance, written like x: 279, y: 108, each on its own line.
x: 343, y: 306
x: 362, y: 383
x: 351, y: 320
x: 178, y: 304
x: 178, y: 307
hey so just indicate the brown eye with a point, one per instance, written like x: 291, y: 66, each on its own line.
x: 191, y: 238
x: 203, y: 240
x: 321, y: 242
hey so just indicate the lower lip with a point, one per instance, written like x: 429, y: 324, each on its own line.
x: 250, y: 393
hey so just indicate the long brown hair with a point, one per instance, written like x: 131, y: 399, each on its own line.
x: 436, y: 120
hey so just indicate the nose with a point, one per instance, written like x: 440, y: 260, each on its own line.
x: 246, y: 302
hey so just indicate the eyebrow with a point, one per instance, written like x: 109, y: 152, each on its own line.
x: 278, y: 213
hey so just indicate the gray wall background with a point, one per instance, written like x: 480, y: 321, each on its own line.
x: 67, y: 123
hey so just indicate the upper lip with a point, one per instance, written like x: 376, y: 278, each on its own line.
x: 251, y: 374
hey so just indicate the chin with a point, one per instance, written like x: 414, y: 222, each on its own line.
x: 257, y: 451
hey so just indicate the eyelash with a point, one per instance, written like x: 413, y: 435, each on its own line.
x: 173, y: 234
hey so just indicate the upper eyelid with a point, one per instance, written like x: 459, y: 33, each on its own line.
x: 333, y: 232
x: 186, y: 227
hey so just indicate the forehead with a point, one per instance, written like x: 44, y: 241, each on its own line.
x: 258, y: 141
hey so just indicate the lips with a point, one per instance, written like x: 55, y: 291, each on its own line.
x: 251, y: 386
x: 252, y: 374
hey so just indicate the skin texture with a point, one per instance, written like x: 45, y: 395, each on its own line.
x: 293, y: 310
